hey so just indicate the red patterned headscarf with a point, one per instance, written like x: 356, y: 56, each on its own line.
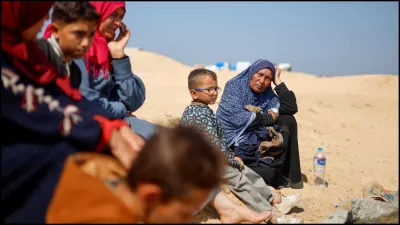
x: 16, y: 17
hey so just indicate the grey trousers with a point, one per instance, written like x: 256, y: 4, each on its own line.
x: 211, y: 197
x: 250, y: 188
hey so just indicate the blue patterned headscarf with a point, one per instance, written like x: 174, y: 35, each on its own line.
x: 231, y: 113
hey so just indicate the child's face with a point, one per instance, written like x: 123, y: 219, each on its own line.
x: 206, y: 90
x: 176, y: 210
x: 74, y: 38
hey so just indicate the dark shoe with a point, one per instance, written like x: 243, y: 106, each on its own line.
x: 282, y: 182
x: 298, y: 185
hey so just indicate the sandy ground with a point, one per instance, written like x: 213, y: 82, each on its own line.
x: 354, y: 118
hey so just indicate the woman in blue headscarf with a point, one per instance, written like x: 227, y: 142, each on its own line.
x: 245, y: 130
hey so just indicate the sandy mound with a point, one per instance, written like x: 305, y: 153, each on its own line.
x: 354, y: 118
x: 144, y: 62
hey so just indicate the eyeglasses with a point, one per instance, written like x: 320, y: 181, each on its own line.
x: 210, y: 91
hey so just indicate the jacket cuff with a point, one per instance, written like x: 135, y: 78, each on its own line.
x: 107, y: 126
x: 281, y: 88
x: 122, y: 68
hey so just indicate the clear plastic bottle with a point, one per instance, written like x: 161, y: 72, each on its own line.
x: 319, y: 168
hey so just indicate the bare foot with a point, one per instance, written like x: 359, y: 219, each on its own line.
x: 243, y: 214
x: 230, y: 212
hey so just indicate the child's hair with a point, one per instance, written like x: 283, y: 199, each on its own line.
x: 177, y: 160
x: 69, y: 12
x: 197, y: 73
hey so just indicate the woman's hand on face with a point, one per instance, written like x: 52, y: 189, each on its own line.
x: 125, y: 145
x: 118, y: 45
x: 277, y: 79
x: 275, y: 116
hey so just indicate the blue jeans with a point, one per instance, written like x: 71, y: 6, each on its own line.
x: 141, y: 127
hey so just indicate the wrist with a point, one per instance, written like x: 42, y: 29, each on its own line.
x: 113, y: 138
x: 277, y: 82
x: 118, y: 54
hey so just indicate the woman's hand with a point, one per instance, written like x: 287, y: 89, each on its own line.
x: 277, y: 138
x: 277, y: 79
x: 118, y: 45
x: 125, y: 145
x: 252, y: 108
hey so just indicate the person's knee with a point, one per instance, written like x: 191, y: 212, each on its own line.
x: 273, y: 176
x: 287, y: 120
x: 141, y: 127
x: 269, y: 175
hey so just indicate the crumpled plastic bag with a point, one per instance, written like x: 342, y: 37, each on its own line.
x: 373, y: 190
x: 364, y: 211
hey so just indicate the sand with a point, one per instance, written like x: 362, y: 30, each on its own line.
x: 354, y: 118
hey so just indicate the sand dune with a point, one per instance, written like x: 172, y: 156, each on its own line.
x: 154, y: 63
x: 354, y: 118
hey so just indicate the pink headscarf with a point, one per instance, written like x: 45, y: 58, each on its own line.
x: 98, y: 57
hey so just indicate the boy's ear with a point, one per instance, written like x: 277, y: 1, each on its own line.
x: 55, y: 28
x: 149, y: 195
x: 193, y: 94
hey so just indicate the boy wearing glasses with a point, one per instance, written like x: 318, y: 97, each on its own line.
x: 247, y: 185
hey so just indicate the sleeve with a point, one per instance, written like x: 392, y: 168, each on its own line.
x: 207, y: 126
x: 228, y: 152
x: 261, y: 120
x: 91, y: 88
x: 54, y: 117
x: 287, y: 99
x: 129, y: 87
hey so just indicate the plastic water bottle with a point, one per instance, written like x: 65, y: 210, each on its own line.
x: 319, y: 168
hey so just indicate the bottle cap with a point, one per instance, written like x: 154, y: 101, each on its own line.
x: 275, y: 110
x: 319, y: 149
